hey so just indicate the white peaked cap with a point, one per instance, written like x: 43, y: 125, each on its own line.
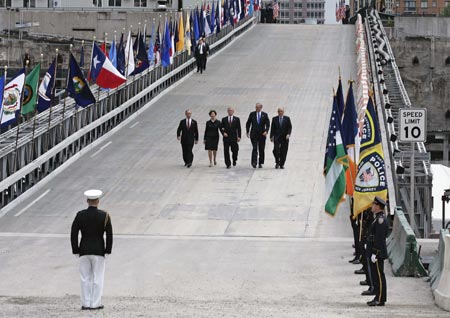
x: 93, y: 194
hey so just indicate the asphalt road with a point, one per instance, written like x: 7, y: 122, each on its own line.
x: 209, y: 242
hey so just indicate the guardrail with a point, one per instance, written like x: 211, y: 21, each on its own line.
x: 435, y: 268
x: 59, y: 136
x: 442, y: 291
x: 390, y: 96
x: 402, y: 248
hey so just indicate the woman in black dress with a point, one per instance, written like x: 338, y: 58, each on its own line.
x: 211, y: 138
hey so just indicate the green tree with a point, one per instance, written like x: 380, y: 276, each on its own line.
x: 446, y: 11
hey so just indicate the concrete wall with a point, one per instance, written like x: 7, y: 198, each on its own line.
x: 421, y: 26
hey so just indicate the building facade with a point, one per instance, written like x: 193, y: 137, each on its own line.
x: 420, y: 7
x: 79, y: 3
x: 301, y: 11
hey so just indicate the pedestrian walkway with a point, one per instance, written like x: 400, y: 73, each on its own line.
x: 209, y: 242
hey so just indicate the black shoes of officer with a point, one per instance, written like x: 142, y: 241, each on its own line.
x: 98, y: 308
x: 254, y: 165
x: 375, y: 303
x: 85, y: 308
x: 356, y: 262
x: 281, y: 167
x: 234, y: 163
x: 189, y: 165
x: 359, y: 271
x: 277, y: 166
x: 364, y: 283
x: 260, y: 166
x: 228, y: 167
x: 352, y: 260
x: 368, y: 292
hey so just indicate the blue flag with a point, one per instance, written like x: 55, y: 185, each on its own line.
x: 151, y: 53
x: 120, y: 60
x: 113, y: 54
x: 213, y: 18
x: 217, y: 18
x: 2, y: 88
x: 250, y: 8
x: 165, y: 58
x: 196, y: 28
x: 141, y: 58
x: 47, y: 88
x: 77, y: 86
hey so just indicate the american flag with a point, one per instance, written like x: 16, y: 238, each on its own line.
x: 340, y: 10
x: 157, y: 46
x: 276, y: 9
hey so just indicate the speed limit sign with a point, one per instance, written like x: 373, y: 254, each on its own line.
x: 413, y: 124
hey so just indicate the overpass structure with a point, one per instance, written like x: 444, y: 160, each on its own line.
x: 201, y: 242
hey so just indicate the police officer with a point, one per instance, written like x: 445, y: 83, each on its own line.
x: 367, y: 220
x: 91, y: 250
x: 377, y: 247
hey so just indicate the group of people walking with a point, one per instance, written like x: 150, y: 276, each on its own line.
x: 257, y: 128
x: 370, y: 232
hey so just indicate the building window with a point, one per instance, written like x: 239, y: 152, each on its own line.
x: 434, y: 4
x: 424, y: 4
x: 115, y: 3
x: 140, y: 3
x: 410, y: 5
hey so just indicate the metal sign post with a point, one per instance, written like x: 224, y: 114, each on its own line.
x: 413, y: 128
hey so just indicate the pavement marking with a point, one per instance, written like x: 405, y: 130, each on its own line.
x: 32, y: 203
x: 134, y: 125
x: 192, y: 237
x: 101, y: 148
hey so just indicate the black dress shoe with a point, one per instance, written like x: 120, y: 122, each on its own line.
x: 364, y: 283
x: 352, y: 260
x: 98, y: 308
x: 359, y: 271
x: 368, y: 292
x: 254, y: 165
x: 375, y: 303
x: 85, y: 308
x: 234, y: 163
x: 260, y: 166
x: 277, y: 166
x: 356, y: 261
x: 281, y: 167
x: 228, y: 167
x: 189, y: 165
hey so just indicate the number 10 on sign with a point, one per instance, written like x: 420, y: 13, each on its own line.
x: 413, y: 124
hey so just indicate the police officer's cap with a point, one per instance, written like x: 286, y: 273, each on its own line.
x: 379, y: 201
x: 93, y: 194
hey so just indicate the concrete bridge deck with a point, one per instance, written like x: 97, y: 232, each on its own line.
x: 209, y: 242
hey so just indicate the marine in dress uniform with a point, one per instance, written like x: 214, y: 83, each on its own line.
x: 280, y: 133
x: 187, y: 133
x: 91, y: 250
x: 257, y: 126
x: 378, y: 249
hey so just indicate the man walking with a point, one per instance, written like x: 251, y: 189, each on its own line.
x: 377, y: 246
x: 231, y: 131
x: 187, y: 133
x: 280, y: 133
x: 257, y: 127
x: 201, y: 53
x: 91, y: 250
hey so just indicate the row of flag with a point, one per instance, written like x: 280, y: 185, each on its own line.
x: 354, y: 159
x: 340, y: 10
x: 110, y: 67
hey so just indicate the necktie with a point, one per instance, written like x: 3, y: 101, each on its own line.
x: 281, y: 120
x: 188, y: 124
x: 229, y: 120
x: 259, y: 117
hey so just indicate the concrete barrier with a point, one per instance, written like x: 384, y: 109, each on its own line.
x: 402, y: 248
x: 442, y: 291
x: 435, y: 268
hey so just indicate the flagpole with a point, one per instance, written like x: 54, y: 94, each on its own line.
x: 67, y: 81
x: 5, y: 73
x: 27, y: 62
x: 128, y: 53
x: 35, y: 115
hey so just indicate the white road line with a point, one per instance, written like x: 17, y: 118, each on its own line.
x: 101, y: 148
x: 32, y: 203
x: 134, y: 125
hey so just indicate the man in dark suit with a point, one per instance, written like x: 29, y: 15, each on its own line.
x: 230, y: 128
x: 201, y: 54
x: 187, y: 133
x: 91, y: 250
x: 257, y: 127
x: 280, y: 133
